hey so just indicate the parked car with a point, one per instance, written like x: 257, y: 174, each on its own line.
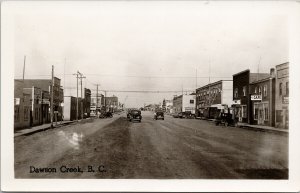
x: 159, y: 115
x: 181, y: 115
x: 175, y: 115
x: 106, y: 115
x: 134, y: 115
x: 226, y: 119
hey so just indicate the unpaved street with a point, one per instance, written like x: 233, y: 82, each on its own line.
x: 171, y: 148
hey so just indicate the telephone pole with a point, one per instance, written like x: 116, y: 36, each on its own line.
x: 97, y: 101
x: 51, y: 105
x: 81, y: 77
x: 77, y: 96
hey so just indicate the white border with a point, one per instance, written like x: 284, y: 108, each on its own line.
x: 290, y: 8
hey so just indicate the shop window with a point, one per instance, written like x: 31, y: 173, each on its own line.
x: 265, y: 91
x: 255, y: 111
x: 244, y: 90
x: 17, y: 114
x: 244, y: 111
x: 236, y: 95
x: 26, y: 114
x: 266, y: 110
x: 287, y: 88
x: 280, y: 88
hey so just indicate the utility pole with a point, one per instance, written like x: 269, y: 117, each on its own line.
x: 105, y: 100
x: 196, y: 78
x: 77, y: 96
x: 81, y: 77
x: 24, y: 67
x: 97, y: 101
x: 51, y: 108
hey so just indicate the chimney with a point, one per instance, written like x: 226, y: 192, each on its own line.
x: 272, y: 73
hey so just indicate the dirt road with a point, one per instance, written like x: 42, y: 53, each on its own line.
x: 153, y: 149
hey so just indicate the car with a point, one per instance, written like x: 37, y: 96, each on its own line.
x: 175, y: 115
x: 134, y: 115
x: 159, y: 115
x: 226, y: 119
x: 181, y: 115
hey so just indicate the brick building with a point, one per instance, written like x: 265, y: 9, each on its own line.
x: 241, y: 93
x: 213, y: 96
x: 262, y: 101
x: 282, y: 96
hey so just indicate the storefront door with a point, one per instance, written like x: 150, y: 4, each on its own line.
x: 260, y: 120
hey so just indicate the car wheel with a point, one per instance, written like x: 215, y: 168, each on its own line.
x: 163, y: 118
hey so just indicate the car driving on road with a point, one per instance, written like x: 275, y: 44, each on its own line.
x: 159, y: 115
x: 134, y: 115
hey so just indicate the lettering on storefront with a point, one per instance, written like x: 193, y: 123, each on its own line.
x: 256, y: 97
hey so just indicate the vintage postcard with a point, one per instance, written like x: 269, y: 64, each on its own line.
x: 150, y: 96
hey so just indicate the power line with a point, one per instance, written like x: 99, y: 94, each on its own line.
x: 138, y: 91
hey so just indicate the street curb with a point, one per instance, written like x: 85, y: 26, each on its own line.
x: 263, y: 129
x: 40, y: 130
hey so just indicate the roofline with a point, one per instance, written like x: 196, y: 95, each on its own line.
x: 212, y: 84
x: 241, y: 72
x: 259, y: 81
x: 282, y: 64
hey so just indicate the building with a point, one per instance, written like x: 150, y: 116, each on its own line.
x: 58, y: 95
x: 282, y: 96
x: 241, y: 93
x: 70, y: 108
x: 96, y: 105
x: 262, y: 101
x: 184, y: 103
x: 111, y: 103
x: 167, y: 106
x: 213, y: 96
x: 87, y: 102
x: 22, y: 106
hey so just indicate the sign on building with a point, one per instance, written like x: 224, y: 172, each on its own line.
x: 285, y: 100
x: 256, y: 97
x: 17, y: 101
x: 236, y: 102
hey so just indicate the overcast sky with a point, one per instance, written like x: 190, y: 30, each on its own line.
x: 145, y: 46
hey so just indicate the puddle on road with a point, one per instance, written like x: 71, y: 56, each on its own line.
x: 73, y: 139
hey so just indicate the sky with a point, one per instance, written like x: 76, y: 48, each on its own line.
x: 145, y: 46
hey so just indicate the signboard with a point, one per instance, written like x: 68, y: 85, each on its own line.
x: 236, y: 102
x: 256, y: 97
x: 17, y: 101
x: 285, y: 100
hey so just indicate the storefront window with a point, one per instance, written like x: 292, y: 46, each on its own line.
x: 255, y: 111
x: 244, y: 111
x: 266, y: 109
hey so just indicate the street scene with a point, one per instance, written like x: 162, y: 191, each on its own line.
x: 172, y: 148
x: 121, y: 92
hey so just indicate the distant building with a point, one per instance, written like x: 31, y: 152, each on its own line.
x: 87, y: 102
x: 241, y: 93
x: 213, y: 96
x: 111, y: 103
x: 184, y: 103
x: 282, y: 96
x: 96, y: 105
x: 167, y: 106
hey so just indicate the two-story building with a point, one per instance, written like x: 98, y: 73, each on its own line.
x: 184, y: 103
x: 241, y: 93
x: 211, y: 97
x: 282, y: 96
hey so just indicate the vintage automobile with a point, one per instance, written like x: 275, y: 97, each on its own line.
x: 159, y: 115
x: 105, y: 115
x: 134, y: 115
x: 226, y: 119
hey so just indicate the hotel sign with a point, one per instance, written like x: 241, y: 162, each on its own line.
x: 256, y: 97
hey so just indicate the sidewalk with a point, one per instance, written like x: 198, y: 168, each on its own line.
x: 40, y: 128
x: 262, y: 127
